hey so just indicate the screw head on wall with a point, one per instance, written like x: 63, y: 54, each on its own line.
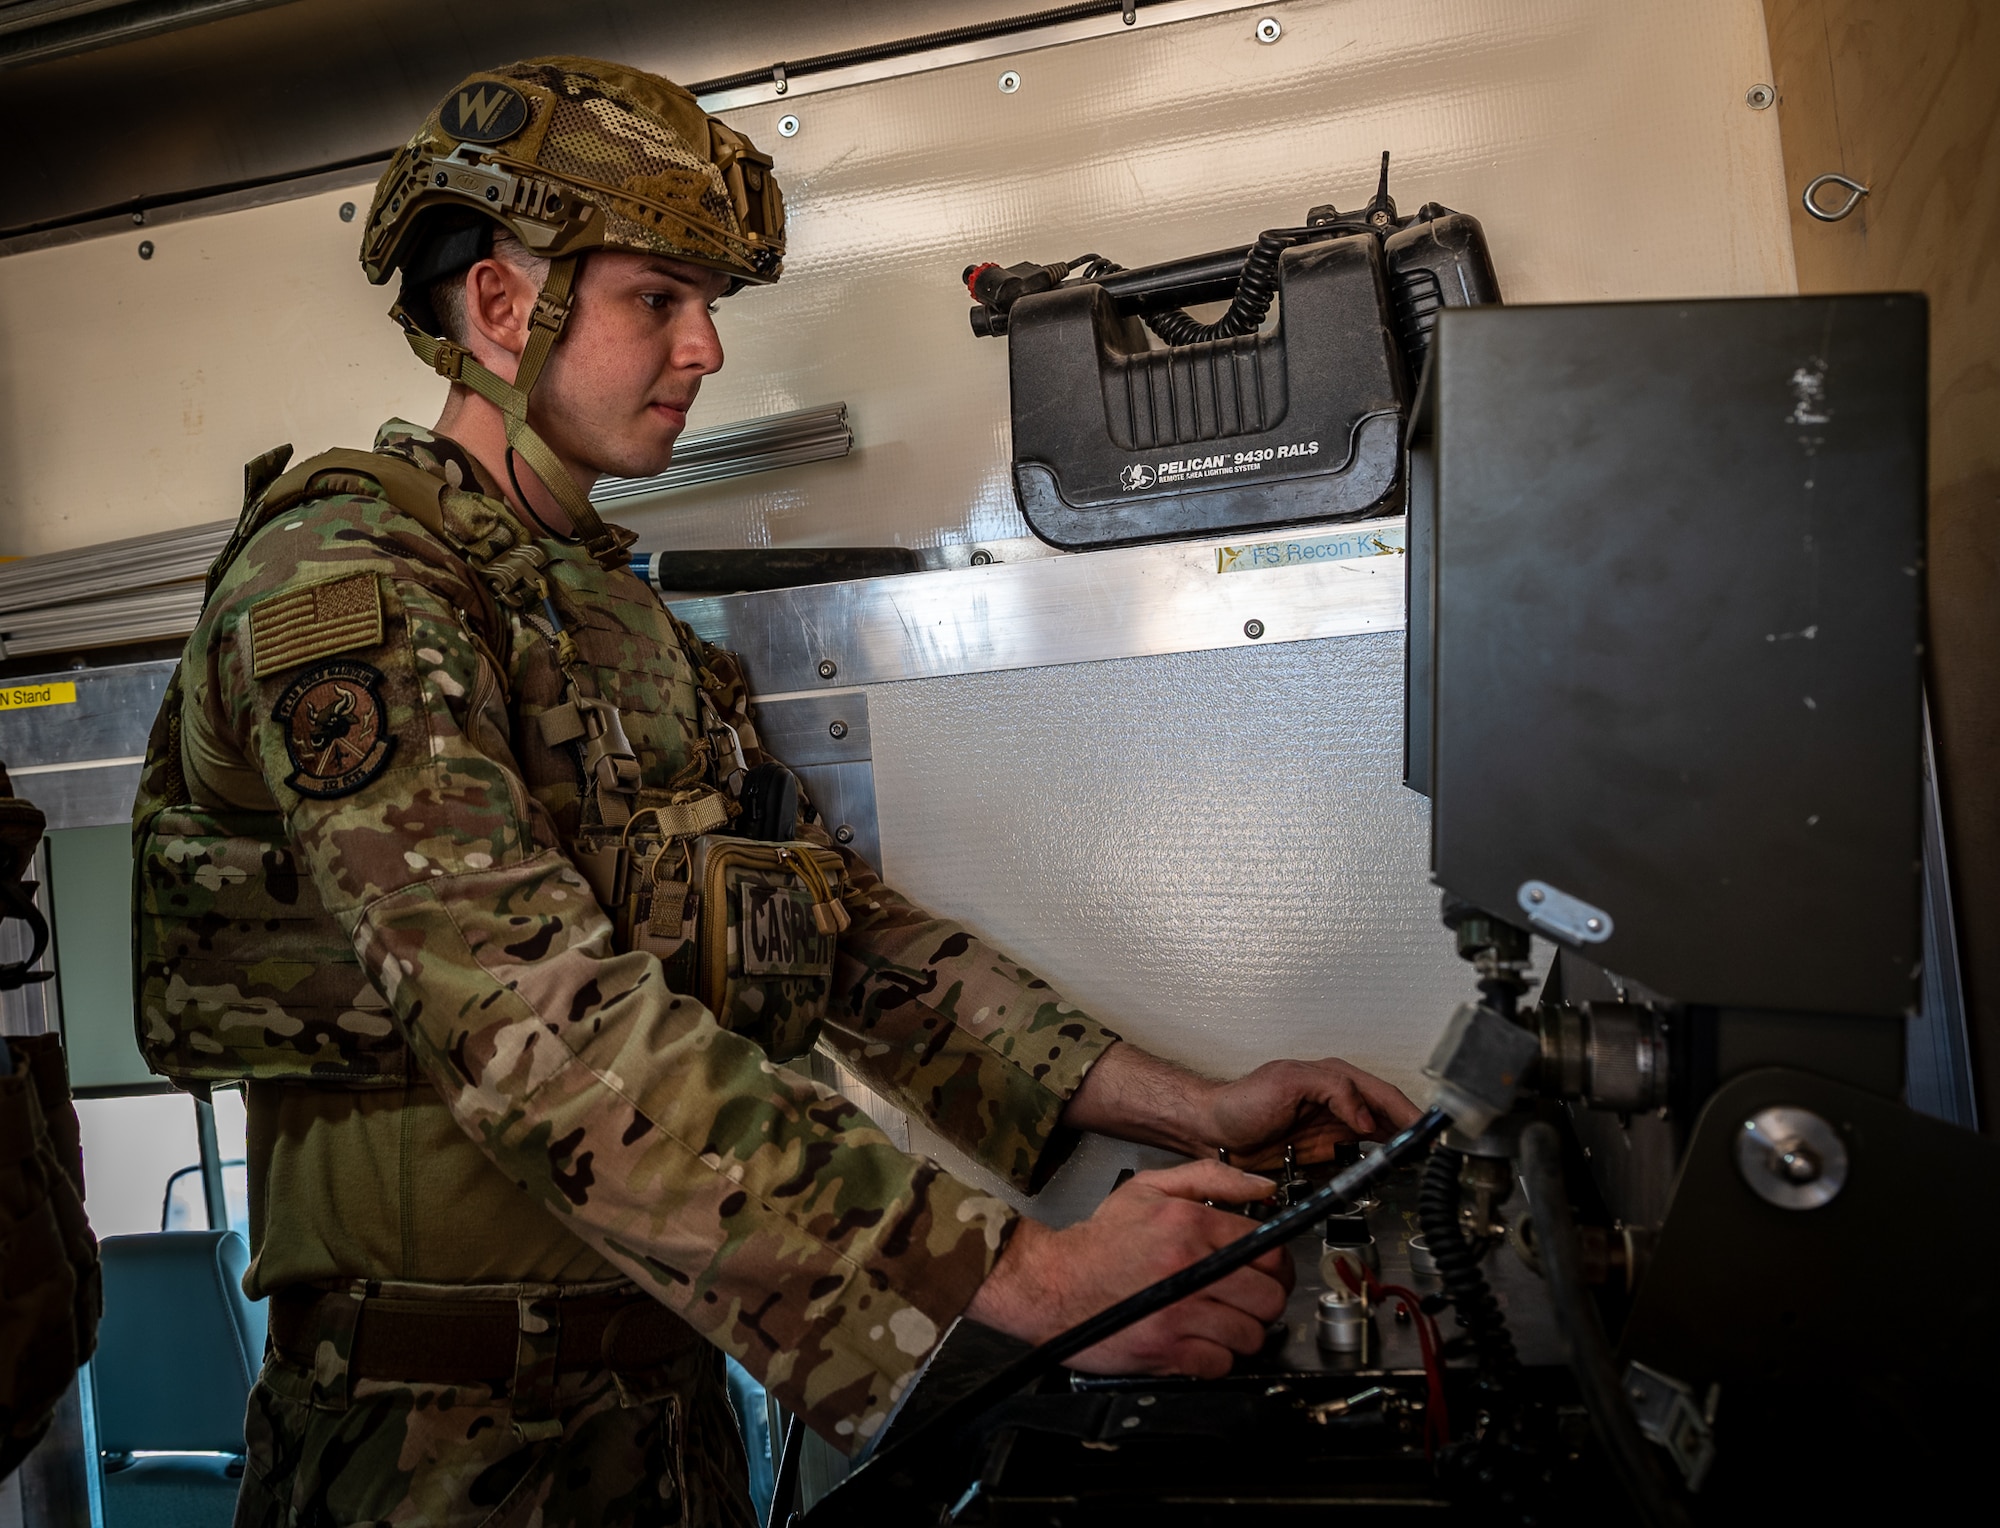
x: 1760, y: 97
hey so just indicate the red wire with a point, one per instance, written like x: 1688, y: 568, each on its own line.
x: 1437, y: 1421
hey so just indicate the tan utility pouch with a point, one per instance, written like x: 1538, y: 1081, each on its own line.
x: 770, y: 917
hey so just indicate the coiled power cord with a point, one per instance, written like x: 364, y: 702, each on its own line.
x: 1458, y: 1269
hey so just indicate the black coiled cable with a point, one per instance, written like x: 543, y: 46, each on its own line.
x: 1458, y: 1268
x: 1255, y: 288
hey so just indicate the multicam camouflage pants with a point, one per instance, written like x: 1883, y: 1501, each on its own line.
x: 600, y: 1448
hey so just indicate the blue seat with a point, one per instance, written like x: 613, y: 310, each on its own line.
x: 177, y: 1353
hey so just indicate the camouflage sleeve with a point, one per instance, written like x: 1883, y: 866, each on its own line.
x: 933, y: 1017
x: 764, y: 1209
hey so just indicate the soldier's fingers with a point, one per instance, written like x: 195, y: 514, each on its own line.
x: 1206, y: 1180
x: 1224, y: 1325
x: 1337, y: 1094
x: 1251, y: 1290
x: 1389, y: 1102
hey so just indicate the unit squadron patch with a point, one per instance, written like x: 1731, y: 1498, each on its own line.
x: 335, y: 732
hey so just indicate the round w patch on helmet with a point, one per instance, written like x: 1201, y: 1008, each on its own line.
x: 335, y: 732
x: 484, y: 112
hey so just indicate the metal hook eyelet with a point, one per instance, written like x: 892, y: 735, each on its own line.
x: 1855, y: 191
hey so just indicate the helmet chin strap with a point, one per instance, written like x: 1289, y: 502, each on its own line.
x: 545, y: 326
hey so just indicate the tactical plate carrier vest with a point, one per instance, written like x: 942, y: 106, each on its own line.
x: 241, y: 973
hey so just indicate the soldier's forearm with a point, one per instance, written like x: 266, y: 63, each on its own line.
x: 1138, y: 1096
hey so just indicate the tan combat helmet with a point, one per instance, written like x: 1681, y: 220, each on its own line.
x: 568, y: 155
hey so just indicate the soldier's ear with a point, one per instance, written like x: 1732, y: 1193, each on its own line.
x: 499, y: 301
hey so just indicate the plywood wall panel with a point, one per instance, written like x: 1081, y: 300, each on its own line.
x: 1905, y: 98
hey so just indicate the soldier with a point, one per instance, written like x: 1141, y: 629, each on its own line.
x: 462, y: 852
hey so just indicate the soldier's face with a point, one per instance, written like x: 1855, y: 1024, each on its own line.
x: 617, y: 388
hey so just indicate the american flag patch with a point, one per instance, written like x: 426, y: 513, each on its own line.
x: 303, y: 624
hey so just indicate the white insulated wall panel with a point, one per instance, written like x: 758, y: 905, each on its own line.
x: 1607, y: 148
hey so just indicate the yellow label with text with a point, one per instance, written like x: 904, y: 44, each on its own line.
x: 21, y: 697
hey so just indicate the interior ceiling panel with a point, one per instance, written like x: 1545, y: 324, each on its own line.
x: 288, y: 89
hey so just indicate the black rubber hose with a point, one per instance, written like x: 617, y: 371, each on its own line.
x: 1458, y: 1267
x: 1635, y: 1461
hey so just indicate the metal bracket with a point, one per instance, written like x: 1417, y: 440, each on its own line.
x: 1562, y: 916
x: 1666, y: 1413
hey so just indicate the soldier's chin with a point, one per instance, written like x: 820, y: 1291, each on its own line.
x: 634, y: 461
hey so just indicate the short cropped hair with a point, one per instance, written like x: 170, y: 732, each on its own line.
x: 448, y: 293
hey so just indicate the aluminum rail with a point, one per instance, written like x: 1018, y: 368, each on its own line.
x: 92, y: 596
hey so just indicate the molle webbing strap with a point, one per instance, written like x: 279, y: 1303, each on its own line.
x: 457, y: 364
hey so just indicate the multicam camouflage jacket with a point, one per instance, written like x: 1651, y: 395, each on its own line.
x: 356, y: 761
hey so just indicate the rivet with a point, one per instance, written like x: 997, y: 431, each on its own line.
x: 828, y: 668
x: 1760, y: 97
x: 139, y: 219
x: 1268, y: 30
x: 1537, y: 895
x: 981, y: 558
x: 837, y: 729
x: 493, y: 193
x: 843, y: 834
x: 788, y: 126
x: 1009, y: 82
x: 1593, y: 924
x: 145, y: 249
x: 1253, y: 629
x: 347, y: 212
x: 440, y: 178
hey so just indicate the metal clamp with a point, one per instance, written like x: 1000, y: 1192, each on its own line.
x: 1855, y: 191
x: 1562, y: 916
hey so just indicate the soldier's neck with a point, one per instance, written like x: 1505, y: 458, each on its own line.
x: 480, y: 428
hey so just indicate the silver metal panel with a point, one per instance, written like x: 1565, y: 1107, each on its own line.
x: 845, y: 796
x: 1211, y: 852
x: 800, y: 729
x: 110, y: 718
x: 90, y: 797
x: 1058, y: 610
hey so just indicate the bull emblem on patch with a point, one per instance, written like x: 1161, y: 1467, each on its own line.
x: 335, y: 730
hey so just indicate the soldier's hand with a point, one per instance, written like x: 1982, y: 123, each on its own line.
x: 1310, y: 1105
x: 1153, y: 1225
